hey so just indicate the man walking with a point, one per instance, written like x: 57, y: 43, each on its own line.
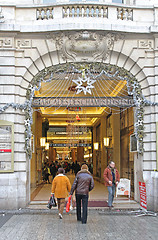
x: 112, y: 178
x: 83, y: 183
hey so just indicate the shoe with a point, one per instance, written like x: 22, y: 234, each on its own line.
x: 60, y: 216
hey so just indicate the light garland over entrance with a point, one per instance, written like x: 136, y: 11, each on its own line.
x: 92, y: 73
x: 80, y: 87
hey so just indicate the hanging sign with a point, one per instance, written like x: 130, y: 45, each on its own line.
x: 82, y: 102
x: 143, y: 199
x: 70, y: 145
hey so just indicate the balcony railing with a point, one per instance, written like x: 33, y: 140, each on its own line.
x: 125, y: 14
x: 82, y: 11
x: 44, y: 13
x: 85, y: 11
x: 63, y: 13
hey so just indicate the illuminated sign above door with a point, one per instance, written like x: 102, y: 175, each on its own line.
x: 82, y: 102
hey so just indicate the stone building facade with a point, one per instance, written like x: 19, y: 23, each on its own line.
x: 35, y: 35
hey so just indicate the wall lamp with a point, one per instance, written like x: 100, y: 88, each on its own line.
x: 96, y: 146
x: 43, y: 141
x: 47, y: 146
x: 106, y: 141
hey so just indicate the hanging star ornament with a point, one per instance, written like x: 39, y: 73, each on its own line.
x: 80, y: 87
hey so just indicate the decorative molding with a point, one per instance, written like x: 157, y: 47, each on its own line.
x: 1, y: 16
x: 85, y: 46
x: 6, y: 42
x: 23, y: 43
x: 147, y: 44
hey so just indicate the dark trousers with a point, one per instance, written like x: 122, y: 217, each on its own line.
x: 84, y: 200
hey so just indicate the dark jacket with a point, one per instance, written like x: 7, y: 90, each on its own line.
x: 108, y: 176
x: 83, y: 183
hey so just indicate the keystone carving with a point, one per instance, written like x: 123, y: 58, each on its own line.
x: 85, y: 46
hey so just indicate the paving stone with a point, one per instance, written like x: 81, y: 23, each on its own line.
x: 4, y: 218
x: 42, y: 226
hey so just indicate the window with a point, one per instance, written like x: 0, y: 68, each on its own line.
x: 54, y: 1
x: 117, y: 1
x: 49, y: 1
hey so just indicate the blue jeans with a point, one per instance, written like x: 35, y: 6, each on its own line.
x: 111, y: 190
x: 84, y: 199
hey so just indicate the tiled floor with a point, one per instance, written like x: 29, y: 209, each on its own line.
x: 99, y: 193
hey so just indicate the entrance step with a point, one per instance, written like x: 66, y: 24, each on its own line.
x: 118, y: 204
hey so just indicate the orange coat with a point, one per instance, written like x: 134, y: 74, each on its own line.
x: 61, y: 186
x: 108, y: 176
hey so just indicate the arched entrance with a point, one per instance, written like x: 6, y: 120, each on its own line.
x: 83, y: 104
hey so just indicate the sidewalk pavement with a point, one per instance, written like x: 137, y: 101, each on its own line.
x: 33, y: 224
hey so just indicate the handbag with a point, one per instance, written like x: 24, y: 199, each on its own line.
x: 51, y: 202
x: 69, y: 205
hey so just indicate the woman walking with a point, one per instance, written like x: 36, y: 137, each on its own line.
x: 60, y: 188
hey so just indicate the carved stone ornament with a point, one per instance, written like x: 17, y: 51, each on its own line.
x: 6, y: 42
x: 1, y: 16
x: 148, y: 44
x: 23, y: 43
x: 85, y: 46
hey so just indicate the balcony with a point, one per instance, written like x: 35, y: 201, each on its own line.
x: 80, y: 16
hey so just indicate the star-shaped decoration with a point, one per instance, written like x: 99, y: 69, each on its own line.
x: 27, y: 122
x: 80, y: 87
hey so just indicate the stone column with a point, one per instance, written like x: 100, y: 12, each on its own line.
x: 33, y: 160
x: 116, y: 139
x: 94, y: 151
x: 150, y: 164
x: 103, y: 148
x: 73, y: 154
x: 80, y: 154
x: 37, y: 133
x: 52, y: 154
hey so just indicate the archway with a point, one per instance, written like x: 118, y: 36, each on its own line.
x: 123, y: 80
